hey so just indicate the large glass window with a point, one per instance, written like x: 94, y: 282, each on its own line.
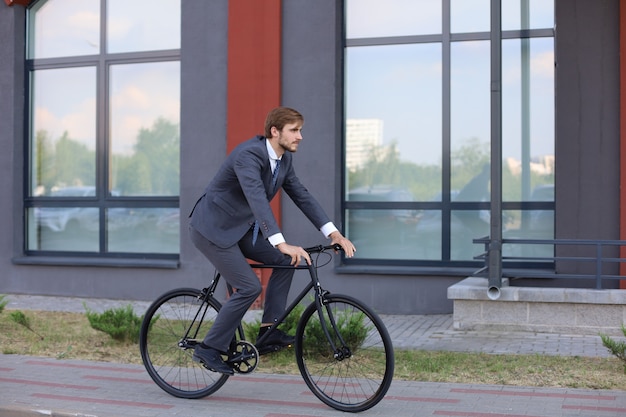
x: 103, y: 141
x: 418, y: 127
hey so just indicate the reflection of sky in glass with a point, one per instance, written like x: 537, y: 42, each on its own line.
x: 470, y: 78
x: 65, y: 100
x: 373, y: 18
x: 470, y: 16
x: 474, y: 15
x: 72, y: 27
x: 400, y: 84
x: 130, y: 28
x: 541, y: 92
x: 470, y: 92
x: 65, y: 28
x: 541, y: 14
x: 141, y: 93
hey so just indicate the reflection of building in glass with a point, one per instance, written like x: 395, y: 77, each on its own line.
x: 543, y: 165
x: 363, y: 136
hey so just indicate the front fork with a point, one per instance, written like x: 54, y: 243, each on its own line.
x: 341, y: 350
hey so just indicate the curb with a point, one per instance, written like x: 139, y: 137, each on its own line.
x: 34, y: 412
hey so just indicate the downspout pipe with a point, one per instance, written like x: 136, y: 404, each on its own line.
x: 495, y: 245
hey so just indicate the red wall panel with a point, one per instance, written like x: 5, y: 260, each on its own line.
x: 254, y: 61
x: 622, y: 76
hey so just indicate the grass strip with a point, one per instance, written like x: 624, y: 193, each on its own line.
x: 65, y: 335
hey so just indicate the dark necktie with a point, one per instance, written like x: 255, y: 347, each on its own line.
x: 255, y: 231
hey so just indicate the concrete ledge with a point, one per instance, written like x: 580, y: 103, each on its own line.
x: 545, y: 310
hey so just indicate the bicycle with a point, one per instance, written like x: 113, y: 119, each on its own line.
x: 342, y: 348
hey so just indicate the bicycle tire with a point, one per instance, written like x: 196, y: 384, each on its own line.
x: 166, y: 356
x: 359, y: 380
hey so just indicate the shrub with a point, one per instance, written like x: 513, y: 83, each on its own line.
x: 3, y: 302
x: 351, y: 326
x: 122, y: 324
x: 288, y: 326
x: 20, y: 318
x: 616, y: 348
x: 23, y: 320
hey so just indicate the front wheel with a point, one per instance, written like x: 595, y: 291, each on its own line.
x: 354, y: 372
x: 171, y: 327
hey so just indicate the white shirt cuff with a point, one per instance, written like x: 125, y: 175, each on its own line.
x: 328, y: 228
x: 276, y: 239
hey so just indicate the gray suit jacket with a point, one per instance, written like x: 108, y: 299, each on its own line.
x: 241, y: 191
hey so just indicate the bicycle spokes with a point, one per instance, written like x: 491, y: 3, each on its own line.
x: 344, y: 354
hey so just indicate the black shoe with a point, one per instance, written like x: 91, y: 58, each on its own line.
x: 275, y: 341
x: 212, y: 360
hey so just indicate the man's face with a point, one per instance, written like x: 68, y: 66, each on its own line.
x: 289, y: 138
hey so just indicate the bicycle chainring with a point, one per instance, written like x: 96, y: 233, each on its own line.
x: 244, y: 358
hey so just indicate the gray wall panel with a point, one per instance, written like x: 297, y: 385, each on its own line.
x: 587, y: 119
x: 11, y: 132
x: 587, y: 123
x: 204, y: 65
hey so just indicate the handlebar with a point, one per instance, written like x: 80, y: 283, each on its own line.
x: 323, y: 248
x: 311, y: 250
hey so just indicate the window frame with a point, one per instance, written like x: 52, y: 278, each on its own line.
x: 444, y: 266
x: 102, y: 199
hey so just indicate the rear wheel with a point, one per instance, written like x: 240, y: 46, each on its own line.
x: 171, y: 327
x: 355, y: 371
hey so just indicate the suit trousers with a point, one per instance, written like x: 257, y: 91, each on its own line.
x: 232, y: 263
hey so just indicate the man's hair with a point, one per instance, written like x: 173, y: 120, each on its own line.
x: 279, y: 117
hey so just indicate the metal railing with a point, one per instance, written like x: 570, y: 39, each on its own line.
x: 600, y: 260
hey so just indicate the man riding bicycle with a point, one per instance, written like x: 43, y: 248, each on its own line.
x: 233, y: 222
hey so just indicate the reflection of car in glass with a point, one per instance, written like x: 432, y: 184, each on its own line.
x: 533, y: 224
x: 383, y: 193
x: 59, y: 219
x: 382, y: 232
x: 542, y: 220
x: 465, y: 225
x: 536, y: 223
x: 169, y: 222
x: 73, y: 219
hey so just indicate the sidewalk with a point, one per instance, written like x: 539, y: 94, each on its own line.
x: 33, y: 386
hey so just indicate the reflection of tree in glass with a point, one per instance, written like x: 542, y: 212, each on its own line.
x: 154, y: 167
x: 63, y: 163
x: 470, y: 162
x: 384, y: 167
x: 75, y: 163
x: 470, y: 170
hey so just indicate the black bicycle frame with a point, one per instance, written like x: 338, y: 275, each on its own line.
x: 314, y: 284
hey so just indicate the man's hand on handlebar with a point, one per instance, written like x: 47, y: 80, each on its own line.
x: 295, y: 252
x: 348, y: 247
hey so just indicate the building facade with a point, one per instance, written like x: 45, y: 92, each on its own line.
x: 96, y: 211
